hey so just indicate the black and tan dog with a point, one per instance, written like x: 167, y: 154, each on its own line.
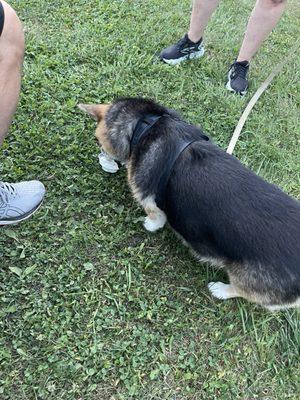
x: 229, y: 216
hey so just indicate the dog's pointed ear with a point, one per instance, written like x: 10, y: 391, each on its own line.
x: 96, y: 111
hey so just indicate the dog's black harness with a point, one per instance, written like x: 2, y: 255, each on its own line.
x: 141, y: 129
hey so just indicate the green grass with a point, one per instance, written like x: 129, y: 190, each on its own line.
x: 92, y: 306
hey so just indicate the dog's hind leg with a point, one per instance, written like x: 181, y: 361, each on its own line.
x: 222, y: 290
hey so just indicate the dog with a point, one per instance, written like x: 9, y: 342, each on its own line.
x: 225, y: 213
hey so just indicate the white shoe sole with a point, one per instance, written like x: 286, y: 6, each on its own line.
x: 196, y: 54
x: 23, y: 218
x: 108, y: 164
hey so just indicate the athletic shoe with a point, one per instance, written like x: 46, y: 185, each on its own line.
x: 18, y: 201
x: 183, y: 50
x: 107, y: 163
x: 237, y: 77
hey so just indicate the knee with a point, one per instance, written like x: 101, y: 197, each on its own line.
x: 271, y: 5
x: 277, y: 2
x: 12, y: 41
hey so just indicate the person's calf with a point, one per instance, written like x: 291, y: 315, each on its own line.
x: 18, y: 201
x: 262, y: 21
x: 12, y: 36
x: 12, y: 46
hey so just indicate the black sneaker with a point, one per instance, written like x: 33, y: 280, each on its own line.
x: 237, y: 77
x: 183, y: 50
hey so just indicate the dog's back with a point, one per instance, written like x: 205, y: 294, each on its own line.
x: 230, y: 215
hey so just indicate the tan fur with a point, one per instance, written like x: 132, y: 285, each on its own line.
x: 98, y: 113
x: 101, y: 131
x: 101, y: 135
x: 246, y: 292
x: 150, y: 207
x: 135, y: 192
x: 130, y: 178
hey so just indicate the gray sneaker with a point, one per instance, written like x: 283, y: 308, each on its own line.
x: 18, y: 201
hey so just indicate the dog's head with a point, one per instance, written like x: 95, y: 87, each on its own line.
x: 116, y: 123
x: 98, y: 112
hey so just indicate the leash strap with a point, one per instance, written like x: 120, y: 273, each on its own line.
x: 277, y: 69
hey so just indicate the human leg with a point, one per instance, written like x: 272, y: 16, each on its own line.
x: 262, y: 21
x: 190, y: 46
x: 11, y: 59
x: 18, y: 201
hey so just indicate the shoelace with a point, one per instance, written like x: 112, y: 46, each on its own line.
x: 7, y: 191
x: 181, y: 44
x: 240, y: 70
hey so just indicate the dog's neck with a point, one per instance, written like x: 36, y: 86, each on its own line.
x: 141, y: 129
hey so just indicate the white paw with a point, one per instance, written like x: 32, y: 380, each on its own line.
x: 220, y: 290
x: 153, y: 225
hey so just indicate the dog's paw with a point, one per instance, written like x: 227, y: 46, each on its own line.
x: 220, y: 290
x: 153, y: 225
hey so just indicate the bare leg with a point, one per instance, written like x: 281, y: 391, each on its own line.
x: 18, y: 200
x: 11, y: 58
x: 263, y: 19
x: 201, y: 13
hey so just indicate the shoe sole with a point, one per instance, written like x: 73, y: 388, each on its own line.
x: 23, y: 218
x: 228, y: 87
x: 196, y: 54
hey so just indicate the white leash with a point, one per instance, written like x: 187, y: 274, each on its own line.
x: 255, y: 97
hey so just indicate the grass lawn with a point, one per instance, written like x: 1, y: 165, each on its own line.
x: 93, y: 307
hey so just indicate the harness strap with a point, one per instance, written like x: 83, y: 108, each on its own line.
x: 180, y: 146
x: 142, y: 127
